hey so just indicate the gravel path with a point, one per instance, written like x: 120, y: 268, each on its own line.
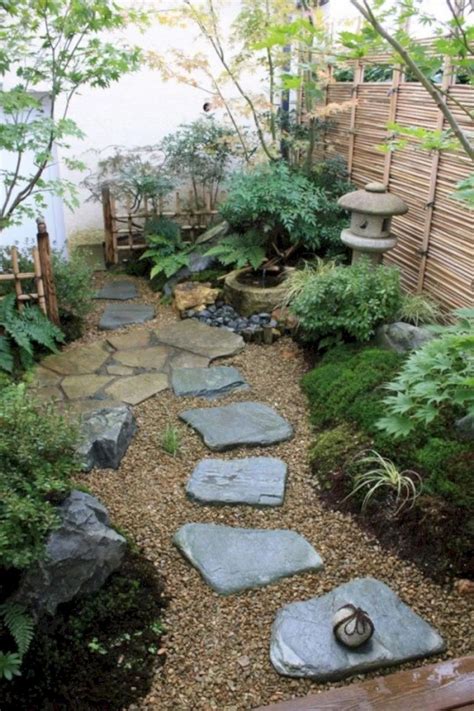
x: 217, y: 648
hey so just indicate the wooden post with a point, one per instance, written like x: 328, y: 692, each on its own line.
x: 44, y: 252
x: 111, y: 256
x: 39, y: 282
x: 16, y: 273
x: 358, y: 75
x: 392, y: 115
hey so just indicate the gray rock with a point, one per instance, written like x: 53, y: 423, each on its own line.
x: 117, y: 315
x: 234, y: 559
x: 465, y: 427
x: 257, y: 481
x: 402, y: 337
x: 118, y: 291
x: 214, y: 234
x: 240, y: 424
x: 194, y: 337
x: 197, y: 263
x: 303, y: 643
x: 206, y: 382
x: 80, y: 556
x: 106, y: 435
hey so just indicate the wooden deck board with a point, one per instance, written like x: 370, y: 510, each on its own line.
x: 436, y: 687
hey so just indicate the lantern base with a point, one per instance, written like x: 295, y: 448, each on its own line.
x: 373, y: 248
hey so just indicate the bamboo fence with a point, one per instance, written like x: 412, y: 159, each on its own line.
x: 123, y: 227
x: 435, y: 249
x: 42, y: 276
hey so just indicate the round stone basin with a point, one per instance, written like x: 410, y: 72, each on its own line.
x: 249, y: 297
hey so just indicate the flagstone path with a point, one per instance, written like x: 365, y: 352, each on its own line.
x: 128, y: 368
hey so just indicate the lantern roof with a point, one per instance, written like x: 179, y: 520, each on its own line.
x: 374, y: 199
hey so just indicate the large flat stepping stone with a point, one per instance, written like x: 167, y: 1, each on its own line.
x: 78, y: 361
x: 154, y: 357
x: 121, y: 290
x: 303, y: 643
x: 185, y: 359
x: 207, y: 382
x: 137, y: 388
x: 190, y: 335
x: 118, y: 315
x: 257, y: 481
x: 138, y: 338
x: 78, y: 387
x: 251, y: 424
x: 105, y: 437
x: 234, y: 559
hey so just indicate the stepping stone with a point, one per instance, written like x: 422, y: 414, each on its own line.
x: 138, y: 338
x: 154, y: 357
x: 78, y: 387
x: 303, y: 643
x: 106, y: 434
x: 137, y: 388
x: 249, y: 424
x: 207, y: 382
x: 189, y: 360
x: 190, y: 335
x: 257, y: 481
x: 118, y: 290
x: 48, y: 394
x: 119, y: 370
x: 118, y: 315
x: 44, y: 378
x: 78, y: 361
x: 234, y: 559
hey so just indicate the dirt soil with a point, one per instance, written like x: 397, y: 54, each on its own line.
x: 217, y: 648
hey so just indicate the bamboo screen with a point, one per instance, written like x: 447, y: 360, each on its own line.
x: 435, y: 249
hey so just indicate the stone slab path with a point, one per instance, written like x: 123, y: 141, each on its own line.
x: 249, y: 424
x: 303, y: 643
x: 254, y: 481
x: 210, y: 383
x: 120, y: 290
x: 234, y: 559
x: 118, y: 315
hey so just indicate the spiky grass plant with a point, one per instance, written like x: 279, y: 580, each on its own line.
x: 384, y: 475
x: 171, y: 440
x: 300, y: 278
x: 419, y: 309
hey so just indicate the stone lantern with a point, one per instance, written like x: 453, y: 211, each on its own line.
x: 371, y: 211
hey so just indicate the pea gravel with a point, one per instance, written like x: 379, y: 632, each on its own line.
x: 217, y: 648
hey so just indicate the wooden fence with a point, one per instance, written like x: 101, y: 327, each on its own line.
x: 123, y: 227
x: 435, y: 249
x: 42, y: 276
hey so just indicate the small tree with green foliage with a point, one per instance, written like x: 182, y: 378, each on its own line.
x: 52, y: 48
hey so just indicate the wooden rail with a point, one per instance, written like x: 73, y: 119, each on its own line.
x: 45, y: 290
x: 436, y: 687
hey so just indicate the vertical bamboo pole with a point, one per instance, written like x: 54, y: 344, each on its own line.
x: 448, y: 79
x: 39, y: 282
x: 392, y: 115
x: 358, y: 76
x: 44, y: 252
x: 17, y: 282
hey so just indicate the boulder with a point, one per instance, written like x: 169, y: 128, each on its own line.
x: 465, y: 427
x: 251, y: 424
x: 303, y: 643
x: 190, y: 295
x: 197, y: 263
x: 212, y: 235
x: 401, y: 337
x: 106, y: 435
x: 234, y: 559
x: 80, y: 556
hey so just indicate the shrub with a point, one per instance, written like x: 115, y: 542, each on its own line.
x: 166, y: 250
x: 347, y: 302
x: 36, y: 459
x: 24, y: 333
x: 346, y: 385
x: 283, y: 207
x: 448, y: 467
x: 437, y: 377
x: 333, y: 449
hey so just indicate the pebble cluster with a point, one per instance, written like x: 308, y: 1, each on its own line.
x: 223, y: 315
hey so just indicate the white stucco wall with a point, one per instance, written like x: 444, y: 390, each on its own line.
x: 140, y: 109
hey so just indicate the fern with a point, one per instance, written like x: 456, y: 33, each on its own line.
x: 24, y: 330
x: 240, y: 250
x: 10, y: 664
x: 20, y: 625
x: 165, y: 247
